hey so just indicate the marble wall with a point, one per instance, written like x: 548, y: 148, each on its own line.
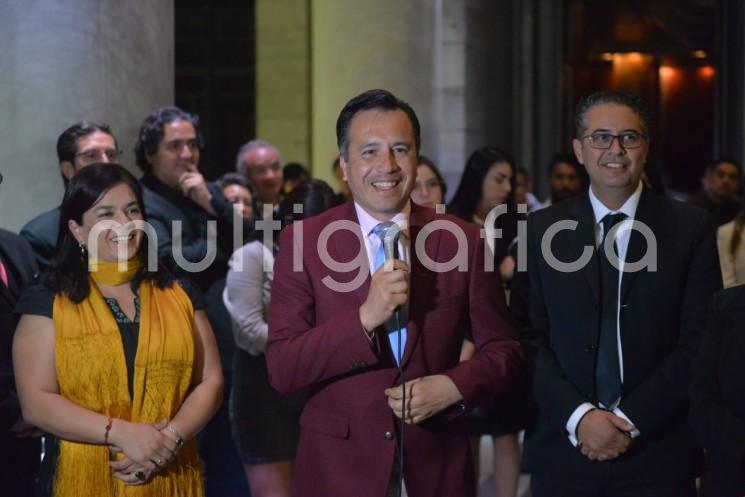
x: 63, y: 61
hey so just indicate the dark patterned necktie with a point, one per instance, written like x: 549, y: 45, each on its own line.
x: 607, y: 370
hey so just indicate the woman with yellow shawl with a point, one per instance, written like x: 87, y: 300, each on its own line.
x: 120, y: 364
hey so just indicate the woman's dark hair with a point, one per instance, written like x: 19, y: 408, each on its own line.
x: 68, y: 271
x: 229, y: 179
x: 426, y: 161
x: 153, y: 129
x: 314, y: 195
x: 468, y: 194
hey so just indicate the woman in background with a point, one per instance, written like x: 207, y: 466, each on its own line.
x: 112, y: 356
x: 265, y: 424
x: 429, y: 187
x: 488, y: 181
x: 717, y: 412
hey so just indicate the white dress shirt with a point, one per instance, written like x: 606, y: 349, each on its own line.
x: 622, y: 242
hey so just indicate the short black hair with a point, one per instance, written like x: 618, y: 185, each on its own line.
x: 152, y: 131
x: 67, y: 142
x: 314, y: 195
x: 369, y: 100
x: 295, y: 171
x: 605, y: 97
x: 229, y: 179
x: 564, y: 158
x: 722, y: 159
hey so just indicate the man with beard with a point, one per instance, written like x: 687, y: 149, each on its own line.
x: 566, y: 178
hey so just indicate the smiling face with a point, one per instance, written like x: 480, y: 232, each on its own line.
x: 614, y: 172
x: 381, y: 162
x: 178, y: 153
x: 241, y: 198
x: 263, y: 169
x: 117, y: 204
x: 93, y: 148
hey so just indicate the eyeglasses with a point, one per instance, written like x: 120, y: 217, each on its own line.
x: 95, y: 154
x: 430, y: 184
x: 627, y: 139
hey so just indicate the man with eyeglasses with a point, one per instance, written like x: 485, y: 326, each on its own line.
x: 168, y: 150
x: 612, y: 343
x: 82, y: 144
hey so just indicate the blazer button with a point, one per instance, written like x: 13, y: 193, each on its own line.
x: 590, y: 347
x: 388, y: 435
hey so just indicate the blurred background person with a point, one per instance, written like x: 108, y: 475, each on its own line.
x: 566, y: 178
x: 237, y: 190
x: 82, y: 144
x: 488, y: 181
x: 717, y: 408
x: 19, y: 456
x: 169, y: 151
x: 265, y: 423
x: 293, y: 174
x: 261, y: 163
x: 140, y: 338
x: 429, y: 187
x: 732, y: 250
x: 720, y: 189
x: 524, y: 190
x: 343, y: 194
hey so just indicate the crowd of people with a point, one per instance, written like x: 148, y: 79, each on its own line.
x: 265, y: 335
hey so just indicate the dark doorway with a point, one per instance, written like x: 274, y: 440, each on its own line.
x: 668, y: 53
x: 215, y: 66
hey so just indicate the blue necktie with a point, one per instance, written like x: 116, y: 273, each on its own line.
x: 390, y: 325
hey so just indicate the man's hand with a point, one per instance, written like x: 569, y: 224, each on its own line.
x: 194, y: 187
x: 603, y: 435
x: 425, y: 397
x: 388, y: 290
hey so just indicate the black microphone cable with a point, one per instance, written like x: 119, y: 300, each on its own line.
x: 403, y: 406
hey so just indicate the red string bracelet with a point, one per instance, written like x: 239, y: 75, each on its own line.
x: 109, y: 422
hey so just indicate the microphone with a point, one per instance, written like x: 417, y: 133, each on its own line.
x: 390, y: 233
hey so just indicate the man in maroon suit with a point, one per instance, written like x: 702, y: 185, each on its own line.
x: 330, y: 327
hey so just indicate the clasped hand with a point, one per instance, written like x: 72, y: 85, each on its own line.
x: 147, y: 448
x: 425, y: 397
x: 603, y: 435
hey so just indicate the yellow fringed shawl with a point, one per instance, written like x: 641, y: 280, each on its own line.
x: 92, y: 372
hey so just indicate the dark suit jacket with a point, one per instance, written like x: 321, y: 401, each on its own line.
x: 41, y: 232
x: 316, y: 341
x: 19, y: 457
x: 662, y: 321
x: 718, y: 395
x: 17, y: 257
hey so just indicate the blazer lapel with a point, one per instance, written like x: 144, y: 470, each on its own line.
x: 345, y: 247
x: 584, y: 215
x: 422, y: 279
x: 637, y: 243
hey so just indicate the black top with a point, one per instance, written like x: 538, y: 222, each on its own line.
x: 38, y: 300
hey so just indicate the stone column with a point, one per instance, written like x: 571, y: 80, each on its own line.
x: 358, y: 45
x: 61, y: 62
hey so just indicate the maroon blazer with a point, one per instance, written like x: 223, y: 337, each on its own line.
x: 348, y: 433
